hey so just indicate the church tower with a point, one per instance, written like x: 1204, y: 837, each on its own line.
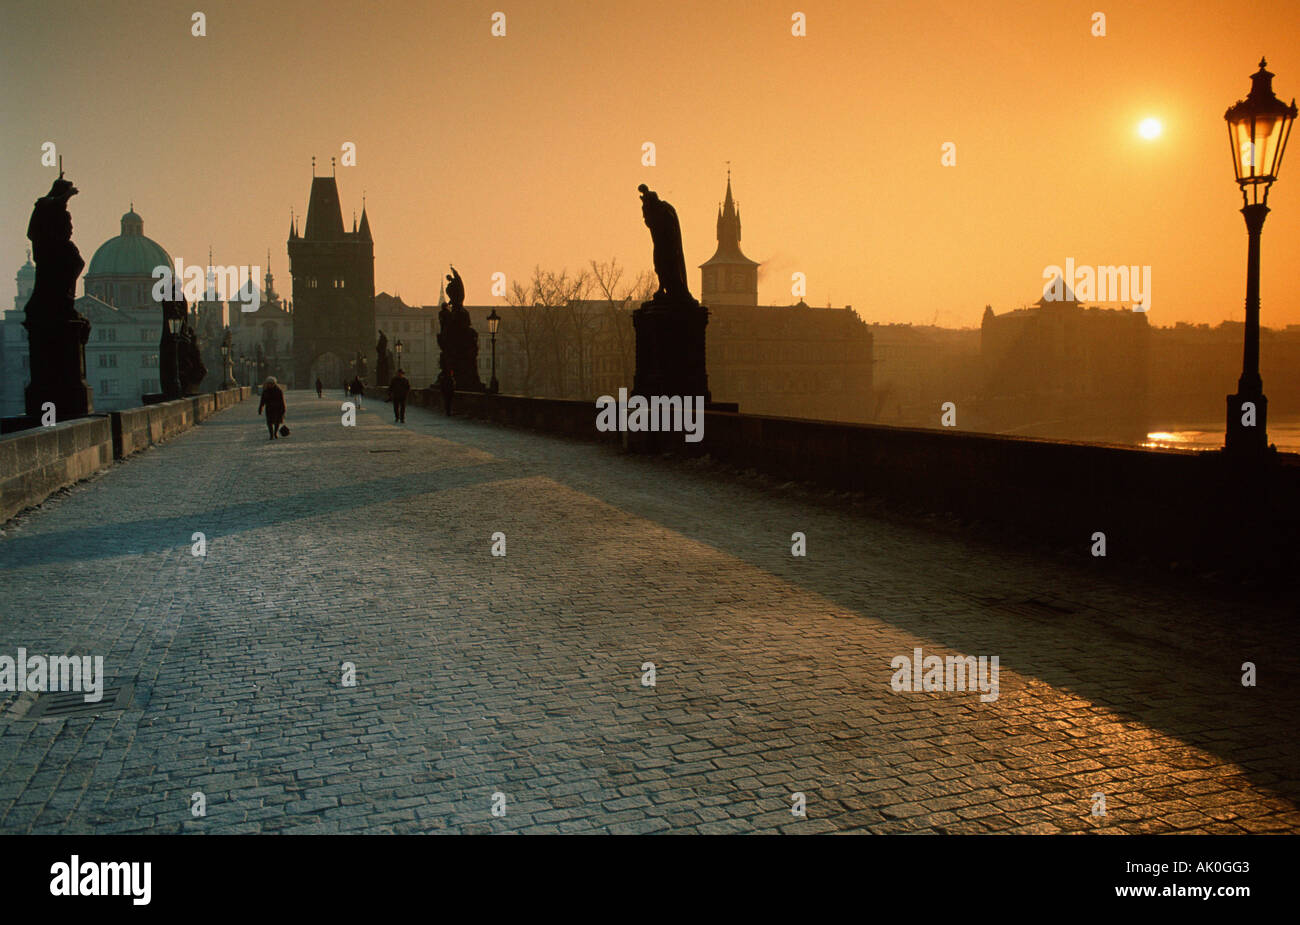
x: 333, y: 275
x: 729, y: 277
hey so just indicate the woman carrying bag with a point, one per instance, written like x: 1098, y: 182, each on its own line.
x: 273, y: 402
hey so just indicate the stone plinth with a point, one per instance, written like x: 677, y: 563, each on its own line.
x: 670, y: 354
x: 58, y: 367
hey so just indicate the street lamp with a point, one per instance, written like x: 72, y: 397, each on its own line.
x: 229, y: 381
x: 494, y: 322
x: 399, y: 353
x: 1258, y: 127
x: 169, y: 368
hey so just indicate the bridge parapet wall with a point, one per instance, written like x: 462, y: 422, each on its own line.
x: 1189, y: 510
x: 37, y: 462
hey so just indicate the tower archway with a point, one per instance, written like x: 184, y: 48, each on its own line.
x: 329, y: 368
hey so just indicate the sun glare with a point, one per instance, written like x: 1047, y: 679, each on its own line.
x: 1150, y: 128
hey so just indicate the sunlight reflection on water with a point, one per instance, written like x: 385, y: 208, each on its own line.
x: 1285, y: 436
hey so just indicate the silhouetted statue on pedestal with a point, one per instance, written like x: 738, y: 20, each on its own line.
x: 56, y: 332
x: 455, y: 290
x: 189, y: 358
x: 666, y: 235
x: 670, y: 327
x: 382, y: 368
x: 457, y: 339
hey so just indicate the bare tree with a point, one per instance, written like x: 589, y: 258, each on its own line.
x: 526, y: 333
x: 619, y: 299
x: 553, y: 333
x: 566, y: 326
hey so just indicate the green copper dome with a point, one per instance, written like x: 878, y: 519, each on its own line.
x: 130, y: 253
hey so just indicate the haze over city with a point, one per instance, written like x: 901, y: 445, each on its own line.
x: 503, y: 153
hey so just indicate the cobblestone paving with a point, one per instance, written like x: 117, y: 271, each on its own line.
x: 521, y: 675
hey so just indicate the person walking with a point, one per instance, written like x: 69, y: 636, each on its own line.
x: 447, y: 383
x: 358, y: 390
x: 273, y: 402
x: 320, y: 388
x: 398, y: 389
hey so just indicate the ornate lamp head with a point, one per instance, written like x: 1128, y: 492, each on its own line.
x: 1258, y: 128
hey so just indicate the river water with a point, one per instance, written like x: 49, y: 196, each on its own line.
x: 1286, y: 437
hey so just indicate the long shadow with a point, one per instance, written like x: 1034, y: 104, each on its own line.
x: 105, y: 540
x: 1182, y: 677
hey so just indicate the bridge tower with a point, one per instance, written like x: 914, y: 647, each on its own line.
x: 333, y: 289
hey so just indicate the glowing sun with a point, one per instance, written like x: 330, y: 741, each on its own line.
x: 1150, y: 128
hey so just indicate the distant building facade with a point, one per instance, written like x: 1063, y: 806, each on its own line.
x: 15, y: 368
x: 333, y: 290
x: 791, y: 361
x: 916, y: 368
x: 265, y: 336
x: 1061, y: 370
x: 416, y: 326
x: 1195, y: 366
x: 122, y: 353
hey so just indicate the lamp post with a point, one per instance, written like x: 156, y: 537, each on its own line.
x: 398, y: 347
x: 494, y: 322
x: 1258, y: 127
x: 167, y: 358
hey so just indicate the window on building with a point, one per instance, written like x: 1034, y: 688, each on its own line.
x: 108, y: 361
x: 106, y: 386
x: 145, y: 334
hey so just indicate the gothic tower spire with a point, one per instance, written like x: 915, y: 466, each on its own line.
x: 729, y: 277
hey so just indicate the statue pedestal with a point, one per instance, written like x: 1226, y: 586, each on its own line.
x: 670, y: 349
x: 58, y: 365
x: 458, y: 349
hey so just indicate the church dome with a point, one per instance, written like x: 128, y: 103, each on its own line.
x: 130, y: 253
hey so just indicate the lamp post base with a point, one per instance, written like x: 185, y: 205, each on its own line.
x: 1247, y: 434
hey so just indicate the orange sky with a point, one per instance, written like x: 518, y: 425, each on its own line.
x: 501, y: 153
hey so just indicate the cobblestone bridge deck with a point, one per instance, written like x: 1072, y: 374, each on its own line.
x: 522, y: 675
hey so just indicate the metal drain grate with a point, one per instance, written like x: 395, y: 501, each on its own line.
x: 59, y: 704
